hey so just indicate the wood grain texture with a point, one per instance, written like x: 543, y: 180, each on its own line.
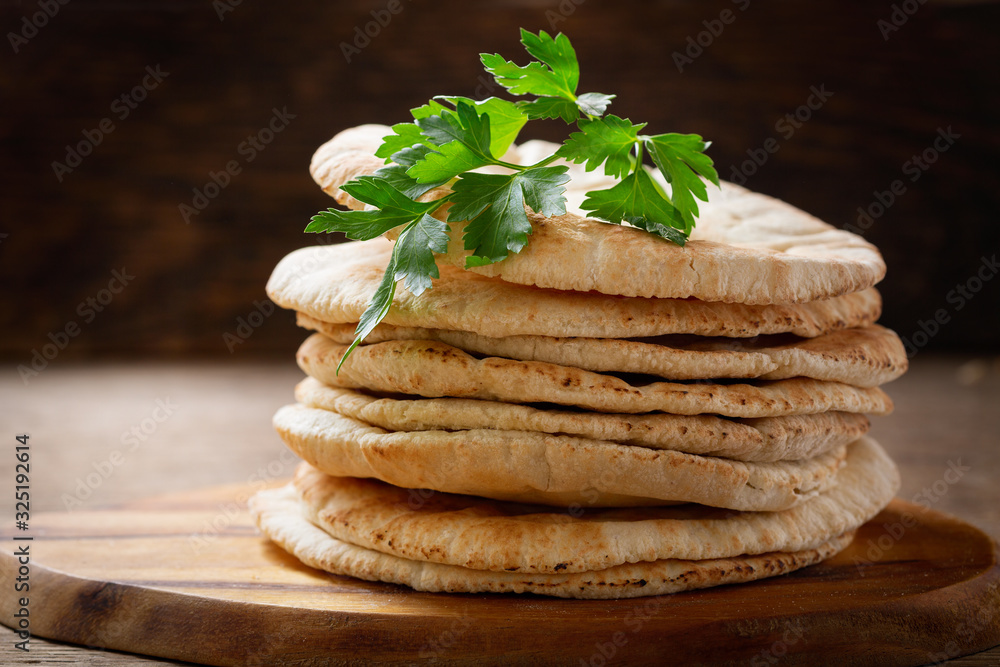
x: 186, y: 577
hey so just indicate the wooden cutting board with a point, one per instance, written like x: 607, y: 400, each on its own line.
x: 186, y: 577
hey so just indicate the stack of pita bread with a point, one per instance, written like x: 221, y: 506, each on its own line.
x: 602, y: 415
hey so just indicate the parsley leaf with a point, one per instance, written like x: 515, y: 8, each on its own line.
x: 550, y: 107
x: 396, y: 208
x: 357, y: 225
x: 637, y: 196
x: 552, y: 78
x: 405, y: 135
x: 506, y: 120
x: 377, y: 308
x: 462, y: 140
x: 534, y: 78
x: 412, y: 260
x: 607, y: 140
x: 395, y: 175
x: 557, y: 53
x: 494, y: 206
x: 414, y: 252
x: 594, y: 104
x: 679, y: 156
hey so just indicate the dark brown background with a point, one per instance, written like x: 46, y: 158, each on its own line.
x: 192, y: 281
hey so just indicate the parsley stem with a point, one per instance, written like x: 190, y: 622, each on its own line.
x: 510, y: 165
x: 550, y: 159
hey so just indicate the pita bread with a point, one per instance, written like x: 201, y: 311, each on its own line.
x: 428, y: 368
x: 335, y: 284
x: 279, y: 515
x: 548, y: 469
x: 463, y: 530
x: 766, y: 439
x: 866, y: 357
x: 746, y: 248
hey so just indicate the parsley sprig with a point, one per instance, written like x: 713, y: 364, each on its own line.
x: 451, y: 136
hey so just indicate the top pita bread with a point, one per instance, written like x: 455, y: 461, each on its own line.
x: 746, y: 248
x: 335, y: 283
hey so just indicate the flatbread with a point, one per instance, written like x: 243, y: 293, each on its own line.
x: 548, y: 469
x: 432, y: 369
x: 279, y: 515
x: 746, y: 248
x: 767, y: 439
x: 336, y: 283
x: 866, y: 357
x: 483, y: 534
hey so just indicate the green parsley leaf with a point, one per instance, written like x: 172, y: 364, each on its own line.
x: 550, y: 107
x: 462, y: 139
x: 506, y: 120
x: 636, y: 196
x: 357, y: 225
x: 557, y: 53
x: 414, y: 252
x: 396, y: 208
x: 412, y: 261
x: 607, y: 141
x: 377, y: 308
x: 432, y: 108
x: 395, y: 175
x: 380, y: 193
x: 405, y: 135
x: 679, y: 156
x: 532, y: 79
x: 494, y: 206
x: 653, y: 227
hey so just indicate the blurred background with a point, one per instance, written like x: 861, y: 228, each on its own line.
x: 170, y: 142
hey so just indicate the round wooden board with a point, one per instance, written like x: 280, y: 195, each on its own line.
x: 187, y: 577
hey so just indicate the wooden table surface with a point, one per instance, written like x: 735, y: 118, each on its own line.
x: 147, y: 429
